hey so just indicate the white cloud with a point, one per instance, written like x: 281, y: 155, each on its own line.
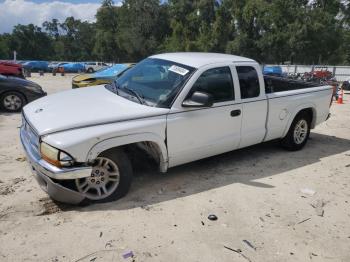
x: 15, y: 12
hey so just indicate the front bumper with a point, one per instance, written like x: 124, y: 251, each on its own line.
x: 46, y: 174
x: 31, y: 96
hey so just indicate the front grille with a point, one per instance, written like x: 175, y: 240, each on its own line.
x: 30, y: 137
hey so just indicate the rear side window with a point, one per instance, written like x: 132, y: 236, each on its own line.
x: 217, y: 82
x: 248, y: 81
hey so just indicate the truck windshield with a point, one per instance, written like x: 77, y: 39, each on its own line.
x: 153, y: 82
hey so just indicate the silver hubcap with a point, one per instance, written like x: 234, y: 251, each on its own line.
x: 103, y: 181
x: 300, y: 131
x: 12, y: 102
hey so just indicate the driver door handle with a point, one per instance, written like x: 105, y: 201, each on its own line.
x: 236, y: 113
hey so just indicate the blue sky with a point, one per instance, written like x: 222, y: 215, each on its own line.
x: 15, y: 12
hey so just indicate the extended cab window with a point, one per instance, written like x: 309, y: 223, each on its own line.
x: 217, y: 82
x: 248, y: 81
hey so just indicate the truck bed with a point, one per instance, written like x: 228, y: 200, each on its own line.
x: 280, y: 84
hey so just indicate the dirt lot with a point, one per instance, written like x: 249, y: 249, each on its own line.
x: 271, y: 205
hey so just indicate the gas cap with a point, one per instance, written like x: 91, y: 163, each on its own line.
x: 283, y: 114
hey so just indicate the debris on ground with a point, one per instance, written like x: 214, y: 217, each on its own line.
x: 249, y: 244
x: 318, y: 206
x: 238, y: 251
x: 308, y: 191
x: 311, y: 255
x: 212, y: 217
x: 109, y: 243
x: 21, y: 159
x: 98, y: 255
x: 128, y: 254
x: 307, y: 219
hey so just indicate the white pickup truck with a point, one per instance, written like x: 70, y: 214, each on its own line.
x: 173, y: 108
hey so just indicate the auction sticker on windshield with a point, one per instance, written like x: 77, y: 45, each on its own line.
x: 178, y: 70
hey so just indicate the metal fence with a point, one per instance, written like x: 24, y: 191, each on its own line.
x: 341, y: 73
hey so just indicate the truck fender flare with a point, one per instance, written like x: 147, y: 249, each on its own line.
x: 296, y: 111
x: 131, y: 139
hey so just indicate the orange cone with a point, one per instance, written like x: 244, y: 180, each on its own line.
x: 340, y: 96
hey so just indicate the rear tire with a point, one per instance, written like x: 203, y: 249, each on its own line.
x: 298, y: 133
x: 90, y: 70
x: 110, y: 166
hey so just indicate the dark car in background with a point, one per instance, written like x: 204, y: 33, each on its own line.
x: 36, y: 66
x: 11, y: 69
x: 16, y: 92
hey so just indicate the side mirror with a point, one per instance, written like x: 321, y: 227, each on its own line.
x: 199, y: 99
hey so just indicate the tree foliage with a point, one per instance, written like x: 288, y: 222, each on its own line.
x: 270, y: 31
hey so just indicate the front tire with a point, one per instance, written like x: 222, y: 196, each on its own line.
x: 12, y: 101
x: 90, y: 70
x: 110, y: 178
x: 298, y: 133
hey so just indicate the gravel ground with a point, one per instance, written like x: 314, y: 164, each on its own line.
x: 271, y: 205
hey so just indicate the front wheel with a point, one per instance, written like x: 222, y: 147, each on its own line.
x: 110, y: 178
x: 298, y: 133
x: 12, y: 101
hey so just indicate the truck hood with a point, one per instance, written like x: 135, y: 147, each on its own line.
x: 83, y: 107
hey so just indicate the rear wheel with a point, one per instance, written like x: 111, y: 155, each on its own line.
x: 90, y: 70
x: 12, y: 101
x: 110, y: 178
x: 298, y: 133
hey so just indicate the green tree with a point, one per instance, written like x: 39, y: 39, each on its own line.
x: 106, y: 46
x: 5, y: 52
x: 30, y: 42
x: 143, y: 26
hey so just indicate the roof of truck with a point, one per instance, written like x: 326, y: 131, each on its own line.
x: 195, y: 59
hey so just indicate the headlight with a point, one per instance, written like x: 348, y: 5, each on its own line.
x: 35, y: 88
x: 87, y: 81
x: 55, y: 156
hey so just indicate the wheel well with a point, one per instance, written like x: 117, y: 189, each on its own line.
x: 143, y: 155
x: 311, y: 113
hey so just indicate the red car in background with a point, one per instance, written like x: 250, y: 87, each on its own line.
x: 322, y: 72
x: 11, y: 69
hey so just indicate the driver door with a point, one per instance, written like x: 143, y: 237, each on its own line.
x: 195, y: 133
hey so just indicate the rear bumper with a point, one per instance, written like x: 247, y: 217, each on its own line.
x: 46, y: 174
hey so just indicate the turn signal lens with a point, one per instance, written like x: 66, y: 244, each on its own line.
x: 49, y: 153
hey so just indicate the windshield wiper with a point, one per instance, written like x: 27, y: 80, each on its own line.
x: 134, y: 93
